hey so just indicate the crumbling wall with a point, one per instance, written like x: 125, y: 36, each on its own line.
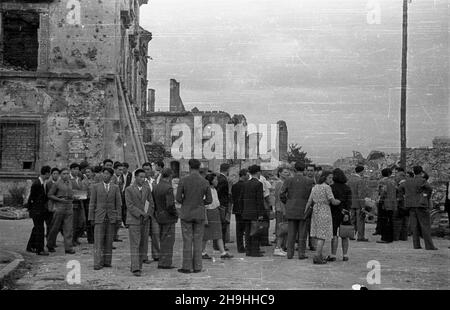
x: 72, y: 118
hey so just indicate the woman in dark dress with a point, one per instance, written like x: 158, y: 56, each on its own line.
x: 343, y: 193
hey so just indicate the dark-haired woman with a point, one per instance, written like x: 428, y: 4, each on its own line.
x: 342, y: 192
x: 321, y: 220
x: 213, y: 224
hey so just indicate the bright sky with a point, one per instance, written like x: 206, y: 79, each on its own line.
x: 317, y: 64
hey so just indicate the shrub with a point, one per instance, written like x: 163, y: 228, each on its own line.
x: 17, y: 194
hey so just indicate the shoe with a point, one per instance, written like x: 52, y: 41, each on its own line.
x: 418, y: 248
x: 51, y: 250
x: 345, y: 259
x: 70, y: 252
x: 241, y: 251
x: 114, y: 248
x: 197, y: 271
x: 156, y: 259
x: 331, y: 259
x: 319, y: 260
x: 184, y: 270
x: 166, y: 267
x: 382, y: 241
x: 279, y: 252
x: 362, y: 240
x: 206, y: 256
x: 352, y: 238
x: 310, y: 248
x: 98, y: 268
x: 226, y: 249
x: 255, y: 255
x: 146, y: 261
x: 42, y: 253
x: 107, y: 265
x: 137, y: 273
x: 432, y: 249
x: 31, y: 250
x: 303, y: 257
x: 118, y: 240
x: 226, y: 256
x: 375, y: 234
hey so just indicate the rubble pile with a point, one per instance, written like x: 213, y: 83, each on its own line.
x: 435, y: 161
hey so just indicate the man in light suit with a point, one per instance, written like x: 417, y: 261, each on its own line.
x: 193, y: 194
x: 359, y: 192
x: 417, y: 192
x: 104, y: 213
x: 150, y: 181
x: 295, y: 194
x: 140, y: 208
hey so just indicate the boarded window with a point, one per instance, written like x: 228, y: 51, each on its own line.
x: 18, y: 146
x: 19, y: 39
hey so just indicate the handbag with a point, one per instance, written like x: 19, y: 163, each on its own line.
x: 282, y: 229
x: 346, y: 231
x: 258, y: 227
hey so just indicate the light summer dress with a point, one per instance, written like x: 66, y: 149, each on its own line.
x: 321, y: 220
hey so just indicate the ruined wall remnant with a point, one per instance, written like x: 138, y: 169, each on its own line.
x: 176, y: 104
x: 74, y: 92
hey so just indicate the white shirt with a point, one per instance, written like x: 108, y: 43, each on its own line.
x: 266, y: 186
x: 106, y: 185
x: 215, y: 200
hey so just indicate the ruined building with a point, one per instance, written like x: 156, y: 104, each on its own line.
x: 73, y: 78
x: 159, y: 136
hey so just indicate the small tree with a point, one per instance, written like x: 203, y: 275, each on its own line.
x: 295, y: 154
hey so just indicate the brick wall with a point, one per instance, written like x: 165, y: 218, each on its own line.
x: 18, y: 145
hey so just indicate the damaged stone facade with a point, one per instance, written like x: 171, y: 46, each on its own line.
x: 157, y: 134
x: 83, y: 94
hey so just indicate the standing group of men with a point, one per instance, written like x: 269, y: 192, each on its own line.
x: 97, y: 201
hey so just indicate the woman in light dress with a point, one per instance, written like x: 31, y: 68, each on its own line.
x: 321, y: 220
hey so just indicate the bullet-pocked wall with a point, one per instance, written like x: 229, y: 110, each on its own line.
x: 72, y: 97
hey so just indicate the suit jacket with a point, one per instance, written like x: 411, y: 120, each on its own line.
x: 165, y: 211
x: 193, y: 194
x: 136, y: 204
x: 388, y: 194
x: 359, y: 191
x: 252, y: 200
x: 413, y: 190
x: 295, y: 194
x: 37, y: 201
x: 447, y: 201
x: 223, y: 191
x: 105, y: 204
x: 236, y: 191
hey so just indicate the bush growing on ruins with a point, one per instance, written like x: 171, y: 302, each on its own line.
x: 296, y: 154
x: 16, y: 196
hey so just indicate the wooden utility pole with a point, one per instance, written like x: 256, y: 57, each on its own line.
x: 403, y: 86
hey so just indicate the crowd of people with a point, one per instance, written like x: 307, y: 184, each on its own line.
x: 309, y: 207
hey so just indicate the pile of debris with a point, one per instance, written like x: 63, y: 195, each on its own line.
x: 10, y: 213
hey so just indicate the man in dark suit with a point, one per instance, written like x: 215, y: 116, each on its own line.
x: 140, y: 208
x: 295, y: 194
x: 37, y: 206
x: 104, y: 213
x: 417, y: 192
x: 252, y: 200
x: 150, y: 181
x: 387, y: 191
x: 447, y: 200
x: 125, y: 180
x: 236, y: 191
x: 166, y: 216
x: 193, y: 194
x: 223, y: 193
x: 359, y: 192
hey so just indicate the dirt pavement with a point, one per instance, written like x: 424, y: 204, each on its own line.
x: 401, y: 267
